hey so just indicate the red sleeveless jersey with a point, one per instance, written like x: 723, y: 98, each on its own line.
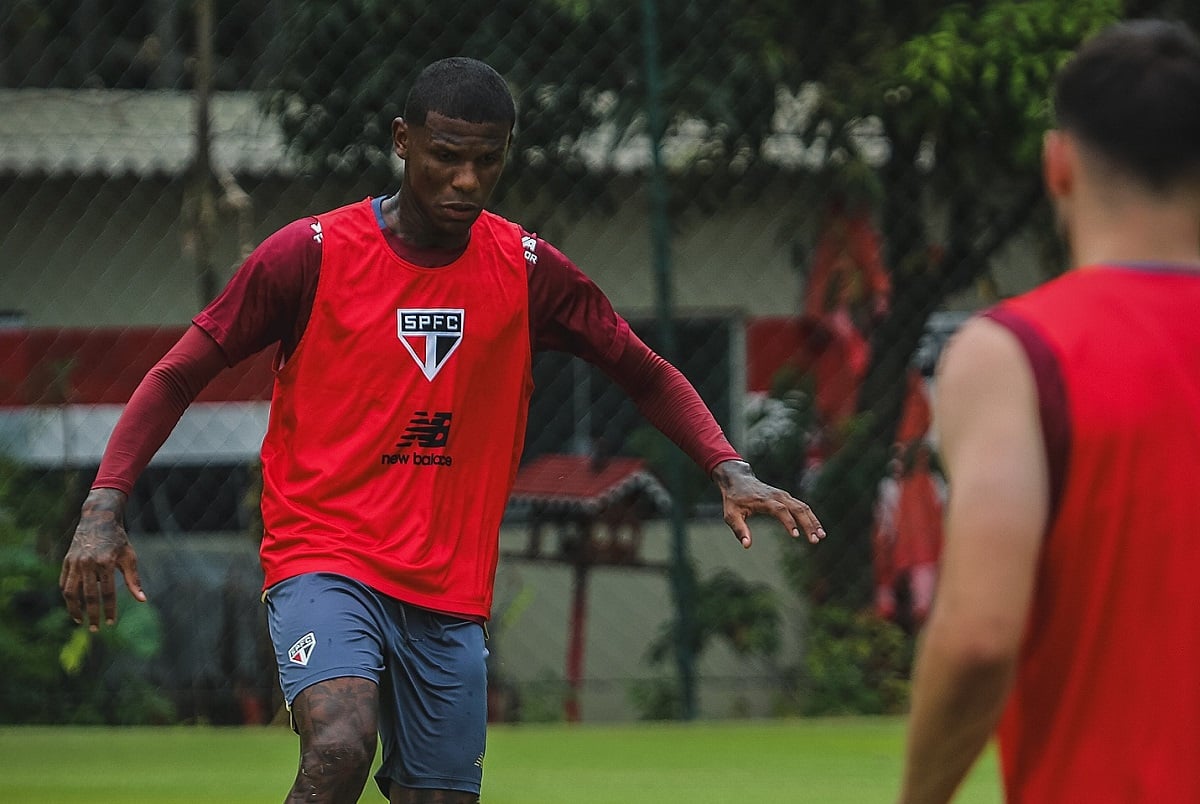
x: 1106, y: 704
x: 397, y: 424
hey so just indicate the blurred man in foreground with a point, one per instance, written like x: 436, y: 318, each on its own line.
x: 1067, y: 613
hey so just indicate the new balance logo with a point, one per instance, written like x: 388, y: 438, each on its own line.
x: 317, y: 235
x: 430, y: 336
x: 302, y: 650
x: 429, y: 432
x: 424, y: 432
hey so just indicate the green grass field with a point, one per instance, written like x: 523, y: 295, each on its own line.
x: 820, y: 760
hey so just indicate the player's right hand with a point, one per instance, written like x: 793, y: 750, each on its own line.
x: 98, y: 551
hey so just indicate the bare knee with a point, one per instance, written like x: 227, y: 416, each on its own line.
x: 337, y: 721
x: 341, y: 764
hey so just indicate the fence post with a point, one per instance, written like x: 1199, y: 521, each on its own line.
x: 682, y: 575
x: 204, y: 208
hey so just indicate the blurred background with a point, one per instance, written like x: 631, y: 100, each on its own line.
x: 796, y: 203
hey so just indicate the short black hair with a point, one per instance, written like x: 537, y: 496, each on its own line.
x: 1132, y: 92
x: 463, y: 89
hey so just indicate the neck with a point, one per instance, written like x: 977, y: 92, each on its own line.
x: 1159, y: 233
x: 409, y: 223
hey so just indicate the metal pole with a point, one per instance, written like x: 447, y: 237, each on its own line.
x: 202, y: 177
x: 681, y: 570
x: 576, y: 636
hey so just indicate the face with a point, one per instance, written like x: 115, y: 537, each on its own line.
x: 451, y: 167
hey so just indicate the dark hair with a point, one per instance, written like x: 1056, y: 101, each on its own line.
x: 1132, y: 92
x: 463, y: 89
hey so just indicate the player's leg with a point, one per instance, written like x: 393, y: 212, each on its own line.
x: 336, y: 721
x: 433, y: 710
x: 326, y: 632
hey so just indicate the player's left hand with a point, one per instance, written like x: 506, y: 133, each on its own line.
x: 744, y: 495
x: 100, y: 550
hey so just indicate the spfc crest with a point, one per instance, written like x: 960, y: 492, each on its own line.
x: 302, y: 650
x: 430, y: 336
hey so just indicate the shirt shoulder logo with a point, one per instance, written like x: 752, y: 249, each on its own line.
x: 529, y: 243
x: 430, y: 336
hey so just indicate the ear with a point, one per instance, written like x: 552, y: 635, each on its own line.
x: 1059, y: 163
x: 400, y: 137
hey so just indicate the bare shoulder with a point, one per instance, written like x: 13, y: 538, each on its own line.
x: 985, y: 396
x: 981, y: 352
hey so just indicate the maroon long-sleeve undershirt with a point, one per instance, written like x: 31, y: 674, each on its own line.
x: 268, y: 301
x: 669, y: 402
x: 156, y: 406
x: 662, y: 394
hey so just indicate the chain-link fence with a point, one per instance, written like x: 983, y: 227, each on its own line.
x: 843, y: 183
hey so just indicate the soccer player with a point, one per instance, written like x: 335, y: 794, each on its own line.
x: 1067, y: 613
x: 404, y: 326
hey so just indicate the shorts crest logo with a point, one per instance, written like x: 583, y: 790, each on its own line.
x: 302, y: 650
x: 430, y: 336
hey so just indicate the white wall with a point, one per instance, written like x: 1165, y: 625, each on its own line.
x: 86, y: 252
x: 626, y: 609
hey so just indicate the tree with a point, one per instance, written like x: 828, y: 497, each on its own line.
x: 130, y: 44
x: 745, y: 616
x: 961, y: 93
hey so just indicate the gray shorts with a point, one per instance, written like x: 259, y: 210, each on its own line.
x: 430, y: 668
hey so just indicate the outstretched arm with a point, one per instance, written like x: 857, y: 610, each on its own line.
x: 267, y: 301
x: 100, y: 547
x: 669, y: 402
x: 570, y: 313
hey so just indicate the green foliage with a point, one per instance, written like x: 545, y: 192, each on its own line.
x: 542, y: 700
x: 989, y: 71
x: 33, y: 624
x: 29, y: 501
x: 336, y: 109
x: 959, y: 94
x: 839, y: 569
x: 657, y: 698
x: 854, y: 663
x: 33, y: 629
x: 779, y: 428
x: 55, y: 671
x: 576, y: 69
x: 743, y: 614
x: 649, y: 444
